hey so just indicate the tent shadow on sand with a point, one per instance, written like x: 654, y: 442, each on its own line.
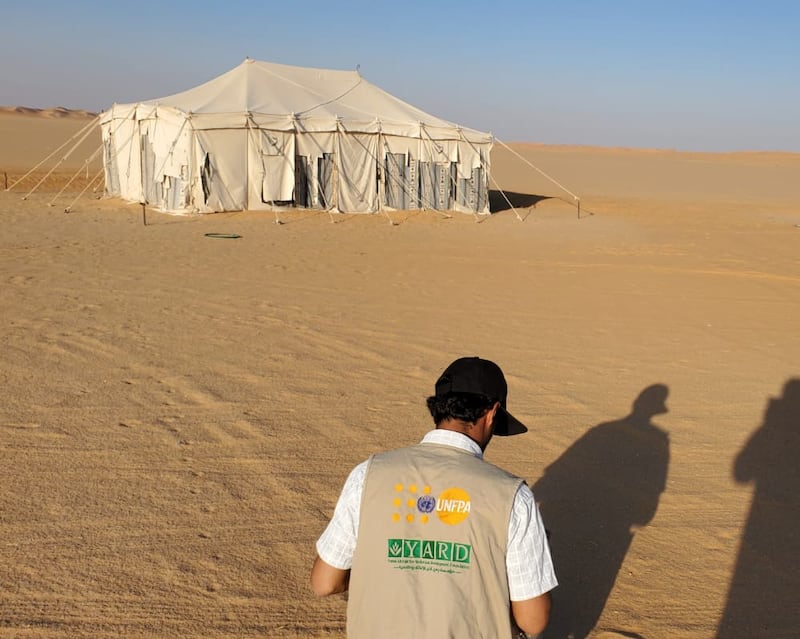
x: 593, y: 498
x: 505, y: 200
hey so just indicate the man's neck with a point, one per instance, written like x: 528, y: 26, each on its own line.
x: 476, y: 432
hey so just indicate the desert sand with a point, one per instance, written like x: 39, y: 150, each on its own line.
x: 179, y: 412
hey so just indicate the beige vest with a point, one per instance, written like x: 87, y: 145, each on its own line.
x: 430, y: 557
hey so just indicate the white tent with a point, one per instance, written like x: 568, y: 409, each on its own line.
x: 265, y: 135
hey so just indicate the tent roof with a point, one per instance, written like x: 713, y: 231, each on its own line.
x: 281, y: 91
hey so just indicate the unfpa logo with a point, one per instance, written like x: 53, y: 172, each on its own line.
x: 452, y: 506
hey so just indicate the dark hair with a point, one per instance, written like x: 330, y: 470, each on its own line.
x: 467, y: 407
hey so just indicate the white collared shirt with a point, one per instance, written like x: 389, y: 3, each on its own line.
x: 528, y: 563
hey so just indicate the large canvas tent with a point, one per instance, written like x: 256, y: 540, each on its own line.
x: 267, y: 135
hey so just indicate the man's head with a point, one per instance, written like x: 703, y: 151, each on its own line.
x: 469, y: 389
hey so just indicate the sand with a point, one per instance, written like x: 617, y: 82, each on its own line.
x: 180, y: 412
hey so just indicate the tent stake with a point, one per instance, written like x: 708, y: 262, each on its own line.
x: 5, y: 180
x: 144, y: 214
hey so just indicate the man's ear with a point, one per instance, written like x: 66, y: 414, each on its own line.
x: 491, y: 414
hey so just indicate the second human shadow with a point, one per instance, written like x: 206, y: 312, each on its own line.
x: 592, y: 498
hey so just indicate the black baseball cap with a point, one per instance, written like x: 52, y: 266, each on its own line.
x: 480, y: 377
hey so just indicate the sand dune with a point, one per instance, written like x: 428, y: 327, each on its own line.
x: 53, y: 112
x: 180, y: 412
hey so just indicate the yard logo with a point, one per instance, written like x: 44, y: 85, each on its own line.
x: 431, y: 550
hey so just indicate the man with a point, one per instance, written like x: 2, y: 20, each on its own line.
x: 431, y: 540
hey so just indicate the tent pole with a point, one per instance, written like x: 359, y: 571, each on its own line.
x: 378, y: 168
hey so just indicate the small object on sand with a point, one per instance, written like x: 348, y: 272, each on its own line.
x: 224, y: 236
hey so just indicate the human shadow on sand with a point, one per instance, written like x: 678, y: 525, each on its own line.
x: 511, y: 200
x: 763, y: 597
x: 592, y: 499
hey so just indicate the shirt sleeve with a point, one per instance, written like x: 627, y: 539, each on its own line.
x: 528, y: 562
x: 338, y: 542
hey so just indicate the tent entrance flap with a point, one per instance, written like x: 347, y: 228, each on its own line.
x: 396, y: 181
x: 277, y: 183
x: 273, y: 153
x: 302, y: 183
x: 402, y: 182
x: 437, y: 184
x: 473, y: 192
x: 357, y: 177
x: 151, y: 189
x: 325, y: 169
x: 226, y: 164
x: 111, y: 167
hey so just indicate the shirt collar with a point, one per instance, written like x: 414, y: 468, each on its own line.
x: 454, y: 439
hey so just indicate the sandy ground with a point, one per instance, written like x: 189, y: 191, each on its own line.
x: 179, y: 412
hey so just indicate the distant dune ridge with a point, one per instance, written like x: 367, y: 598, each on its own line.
x: 53, y: 112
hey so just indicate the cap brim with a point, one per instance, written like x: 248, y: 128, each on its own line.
x: 508, y: 425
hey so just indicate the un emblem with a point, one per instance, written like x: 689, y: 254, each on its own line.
x: 426, y: 504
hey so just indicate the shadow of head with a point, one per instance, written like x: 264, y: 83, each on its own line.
x: 651, y: 401
x: 791, y: 393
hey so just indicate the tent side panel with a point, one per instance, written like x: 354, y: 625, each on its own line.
x: 122, y: 159
x: 166, y: 148
x: 222, y: 158
x: 472, y: 178
x: 271, y: 165
x: 358, y: 174
x: 111, y: 170
x: 400, y: 178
